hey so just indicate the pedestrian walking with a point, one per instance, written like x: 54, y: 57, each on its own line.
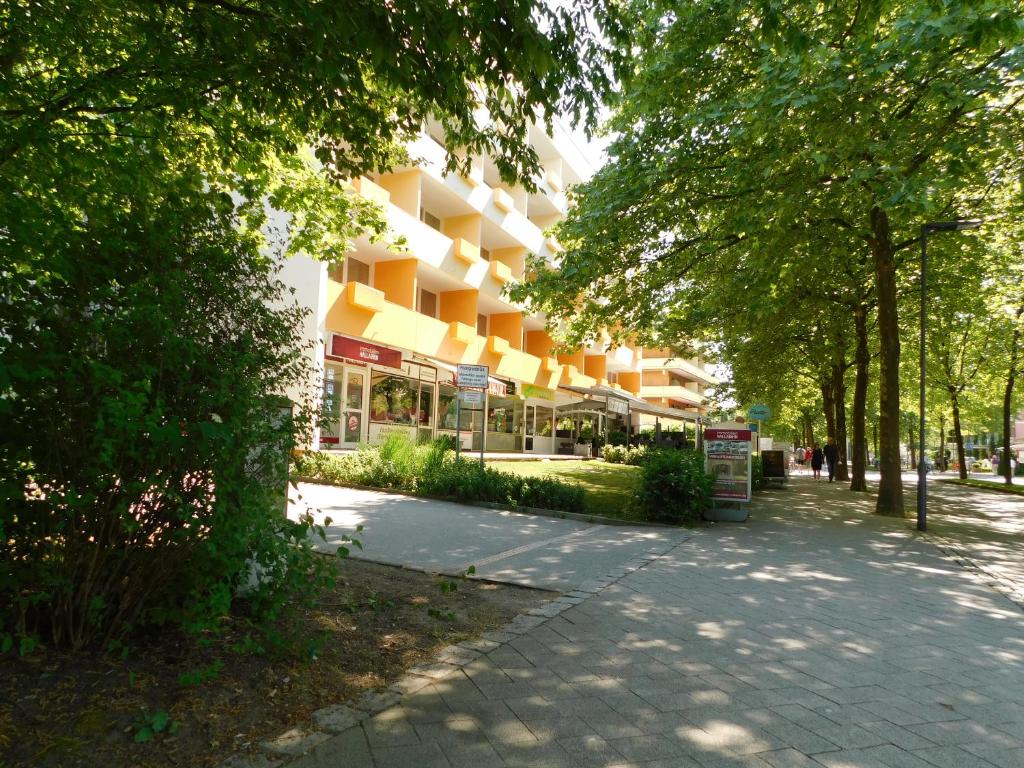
x: 817, y: 459
x: 832, y: 457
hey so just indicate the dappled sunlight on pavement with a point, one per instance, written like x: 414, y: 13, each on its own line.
x: 446, y: 537
x: 816, y: 634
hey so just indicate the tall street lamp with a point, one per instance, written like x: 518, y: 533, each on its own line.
x: 922, y: 488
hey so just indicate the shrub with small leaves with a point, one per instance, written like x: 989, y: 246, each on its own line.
x: 674, y: 486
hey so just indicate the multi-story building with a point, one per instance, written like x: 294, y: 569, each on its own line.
x: 394, y: 324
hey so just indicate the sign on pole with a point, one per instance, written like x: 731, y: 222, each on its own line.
x: 471, y: 396
x: 759, y: 413
x: 617, y: 405
x: 728, y: 460
x: 472, y: 376
x: 476, y: 379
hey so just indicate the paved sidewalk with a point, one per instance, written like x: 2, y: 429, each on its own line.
x: 440, y: 536
x: 814, y: 635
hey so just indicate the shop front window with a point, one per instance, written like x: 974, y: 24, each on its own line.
x: 447, y: 407
x: 330, y: 407
x: 425, y: 412
x: 393, y: 399
x: 545, y: 417
x: 504, y: 424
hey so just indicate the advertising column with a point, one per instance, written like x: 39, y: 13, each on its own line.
x: 727, y: 452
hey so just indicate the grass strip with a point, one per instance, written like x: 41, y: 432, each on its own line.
x: 985, y: 485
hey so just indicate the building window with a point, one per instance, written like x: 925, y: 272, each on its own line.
x: 485, y: 254
x: 481, y: 325
x: 393, y: 399
x: 357, y: 271
x: 330, y: 409
x: 447, y: 407
x: 432, y: 221
x: 427, y: 303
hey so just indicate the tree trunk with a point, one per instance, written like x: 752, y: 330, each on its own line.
x: 860, y: 397
x: 874, y: 437
x: 912, y: 445
x: 829, y: 407
x: 958, y: 434
x: 942, y: 442
x: 890, y: 487
x: 839, y: 404
x: 1011, y: 378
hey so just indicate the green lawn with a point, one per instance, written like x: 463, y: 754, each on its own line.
x: 609, y: 487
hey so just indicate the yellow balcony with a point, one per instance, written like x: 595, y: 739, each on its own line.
x: 503, y: 200
x: 501, y: 272
x: 364, y: 297
x: 497, y: 345
x: 671, y: 392
x: 554, y: 181
x: 553, y: 245
x: 549, y: 364
x: 460, y: 332
x: 467, y: 251
x: 371, y: 191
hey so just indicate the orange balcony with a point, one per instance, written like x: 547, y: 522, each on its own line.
x: 364, y: 297
x: 503, y: 201
x: 501, y: 272
x: 466, y: 251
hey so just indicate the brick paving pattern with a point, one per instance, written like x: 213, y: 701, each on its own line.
x: 814, y: 635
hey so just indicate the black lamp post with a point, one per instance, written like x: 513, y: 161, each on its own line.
x: 922, y: 488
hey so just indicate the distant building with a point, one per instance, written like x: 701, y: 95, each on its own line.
x: 392, y: 327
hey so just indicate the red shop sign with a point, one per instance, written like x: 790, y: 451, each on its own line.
x: 727, y: 434
x: 353, y: 349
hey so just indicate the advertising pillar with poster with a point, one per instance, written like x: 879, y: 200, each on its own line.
x: 727, y: 452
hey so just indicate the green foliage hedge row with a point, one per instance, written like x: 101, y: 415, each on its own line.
x: 433, y: 470
x: 674, y: 487
x: 621, y: 454
x: 756, y: 474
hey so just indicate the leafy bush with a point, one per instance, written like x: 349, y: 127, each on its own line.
x: 614, y: 454
x: 756, y: 474
x: 433, y: 470
x: 636, y: 455
x: 142, y: 441
x: 621, y: 454
x: 673, y: 486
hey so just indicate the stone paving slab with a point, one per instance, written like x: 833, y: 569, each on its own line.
x: 815, y: 635
x: 444, y: 537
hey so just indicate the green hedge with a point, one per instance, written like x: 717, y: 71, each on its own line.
x: 756, y: 474
x: 433, y: 470
x: 674, y: 486
x: 621, y: 454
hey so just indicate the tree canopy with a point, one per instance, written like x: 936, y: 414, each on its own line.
x: 758, y: 138
x: 141, y: 357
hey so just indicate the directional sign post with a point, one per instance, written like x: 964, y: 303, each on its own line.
x: 758, y: 413
x: 472, y: 381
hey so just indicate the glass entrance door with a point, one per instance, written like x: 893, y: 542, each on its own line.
x: 353, y: 407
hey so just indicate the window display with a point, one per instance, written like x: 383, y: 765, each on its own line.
x: 393, y: 399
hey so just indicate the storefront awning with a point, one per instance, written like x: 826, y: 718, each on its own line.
x: 636, y: 404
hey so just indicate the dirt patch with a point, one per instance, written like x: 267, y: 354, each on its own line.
x: 209, y: 697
